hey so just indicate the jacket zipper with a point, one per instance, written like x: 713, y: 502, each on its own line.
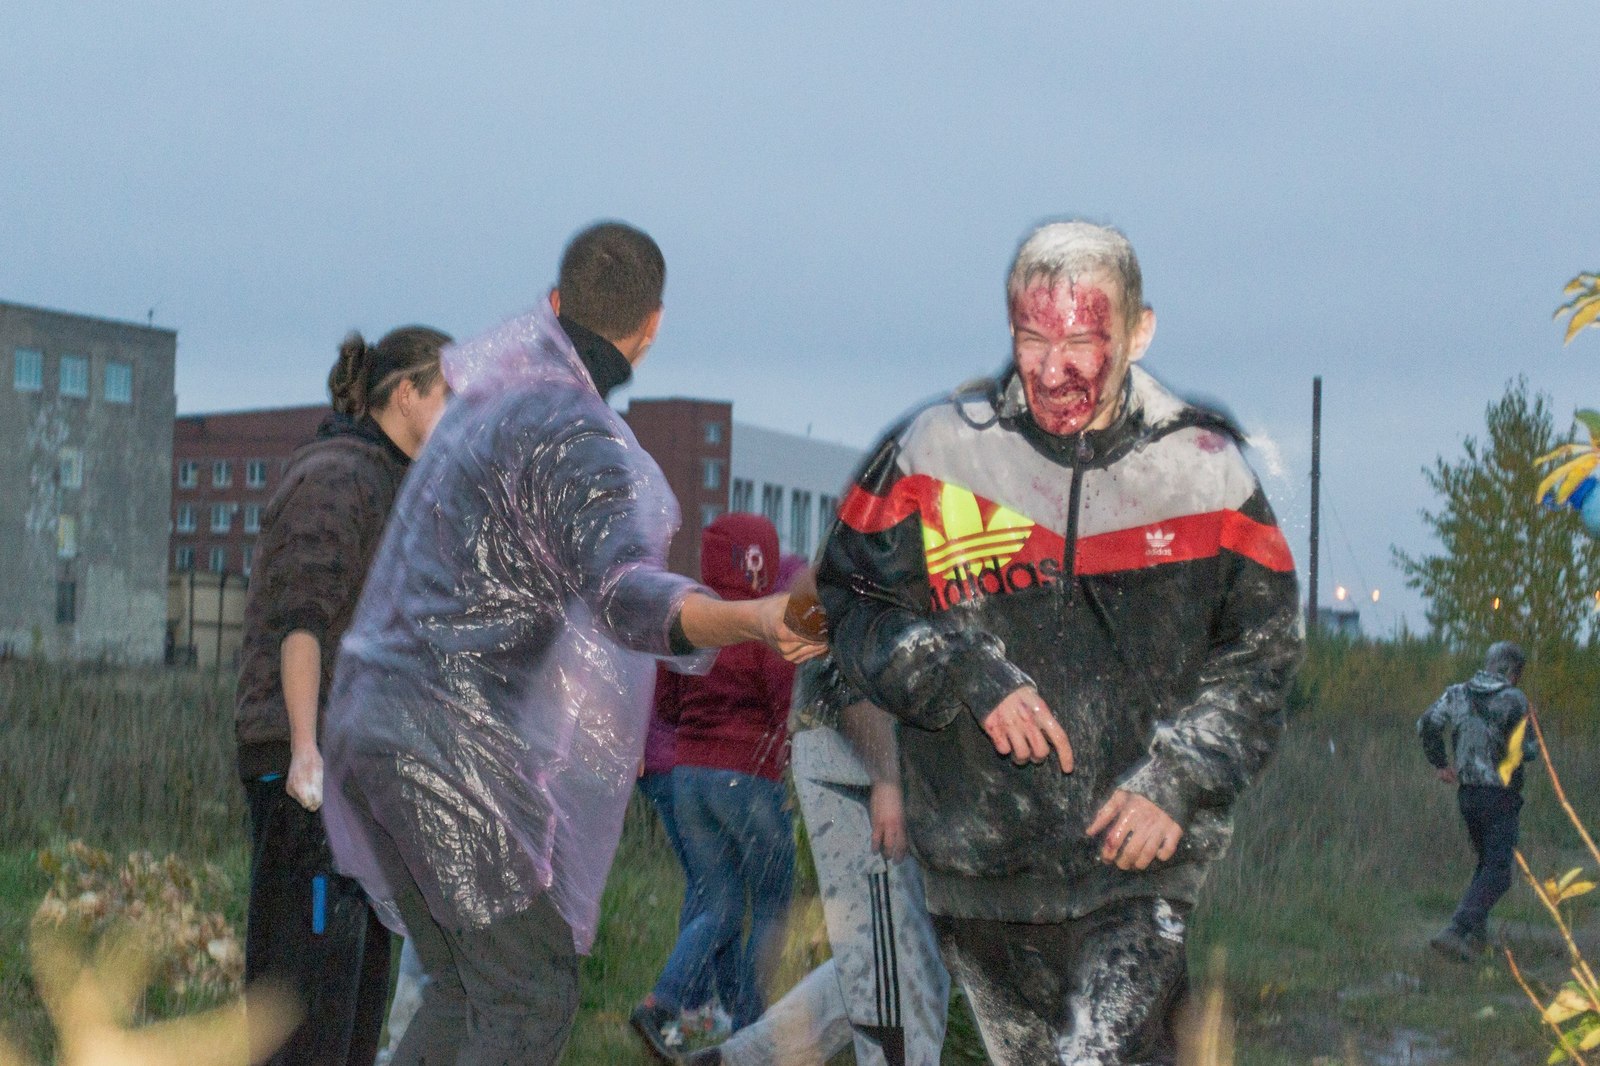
x: 1082, y: 452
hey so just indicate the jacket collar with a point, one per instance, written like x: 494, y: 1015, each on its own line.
x: 607, y: 366
x: 1148, y: 411
x: 366, y: 427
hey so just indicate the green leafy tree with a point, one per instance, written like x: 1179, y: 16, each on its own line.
x: 1508, y: 570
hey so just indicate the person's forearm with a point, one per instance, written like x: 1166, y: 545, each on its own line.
x: 713, y: 623
x: 870, y: 732
x: 300, y: 662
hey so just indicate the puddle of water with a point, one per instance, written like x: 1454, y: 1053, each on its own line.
x: 1410, y: 1047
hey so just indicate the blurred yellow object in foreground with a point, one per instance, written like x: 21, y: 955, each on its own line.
x: 93, y: 1002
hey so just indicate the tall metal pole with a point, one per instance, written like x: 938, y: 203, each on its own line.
x: 222, y: 602
x: 1316, y: 498
x: 190, y: 650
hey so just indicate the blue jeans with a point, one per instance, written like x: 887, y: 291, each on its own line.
x: 739, y: 843
x: 720, y: 977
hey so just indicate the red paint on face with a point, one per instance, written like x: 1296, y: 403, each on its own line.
x: 1067, y: 351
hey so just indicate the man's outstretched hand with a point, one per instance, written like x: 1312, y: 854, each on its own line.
x: 709, y: 622
x: 1137, y: 832
x: 777, y: 635
x: 1022, y: 727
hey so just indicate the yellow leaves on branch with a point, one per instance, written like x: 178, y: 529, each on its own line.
x: 1567, y: 886
x: 1584, y: 305
x: 1568, y: 1004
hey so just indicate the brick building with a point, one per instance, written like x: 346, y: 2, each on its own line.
x: 692, y: 442
x: 85, y: 446
x: 225, y: 467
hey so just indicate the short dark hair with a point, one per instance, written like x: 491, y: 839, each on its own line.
x: 612, y: 278
x: 1506, y: 659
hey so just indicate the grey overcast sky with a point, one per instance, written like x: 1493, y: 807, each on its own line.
x: 1388, y: 194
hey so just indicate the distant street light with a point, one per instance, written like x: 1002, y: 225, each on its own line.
x: 1374, y: 595
x: 1340, y: 593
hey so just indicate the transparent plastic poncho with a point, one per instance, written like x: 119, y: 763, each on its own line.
x: 489, y: 708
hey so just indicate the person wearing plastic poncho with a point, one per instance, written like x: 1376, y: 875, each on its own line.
x: 489, y: 709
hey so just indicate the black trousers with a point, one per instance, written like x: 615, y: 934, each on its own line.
x: 503, y: 994
x: 1097, y: 991
x: 313, y: 931
x: 1493, y: 817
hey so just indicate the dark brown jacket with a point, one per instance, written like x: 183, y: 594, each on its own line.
x: 318, y: 537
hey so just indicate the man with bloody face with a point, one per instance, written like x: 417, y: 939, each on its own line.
x: 1067, y: 584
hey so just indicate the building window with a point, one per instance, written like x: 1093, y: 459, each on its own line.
x: 709, y: 513
x: 67, y: 537
x: 255, y: 474
x: 249, y: 558
x: 188, y: 474
x: 252, y: 518
x: 183, y: 559
x: 743, y: 495
x: 70, y: 468
x: 119, y: 383
x: 827, y: 511
x: 772, y: 503
x: 221, y: 474
x: 186, y: 521
x: 66, y: 603
x: 219, y: 560
x: 800, y: 522
x: 27, y: 370
x: 711, y: 473
x: 221, y: 517
x: 75, y: 376
x: 713, y: 432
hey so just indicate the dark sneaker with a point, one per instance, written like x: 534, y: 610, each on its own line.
x: 650, y: 1022
x: 1451, y: 943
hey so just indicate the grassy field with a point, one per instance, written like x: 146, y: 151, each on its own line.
x: 1348, y: 856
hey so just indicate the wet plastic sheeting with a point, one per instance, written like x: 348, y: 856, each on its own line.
x: 489, y: 711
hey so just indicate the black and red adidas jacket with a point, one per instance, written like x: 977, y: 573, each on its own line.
x: 1135, y: 576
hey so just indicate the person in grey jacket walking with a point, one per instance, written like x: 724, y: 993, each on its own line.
x: 1486, y: 722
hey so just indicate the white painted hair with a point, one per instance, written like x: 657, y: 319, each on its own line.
x: 1066, y: 252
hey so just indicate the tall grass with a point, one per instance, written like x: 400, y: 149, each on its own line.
x: 1347, y: 856
x: 120, y: 757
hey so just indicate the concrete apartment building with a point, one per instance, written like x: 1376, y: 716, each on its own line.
x: 86, y: 416
x: 715, y: 464
x: 797, y: 481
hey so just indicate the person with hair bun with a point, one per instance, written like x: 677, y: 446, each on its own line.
x: 308, y: 927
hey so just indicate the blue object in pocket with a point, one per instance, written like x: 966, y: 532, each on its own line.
x: 319, y: 904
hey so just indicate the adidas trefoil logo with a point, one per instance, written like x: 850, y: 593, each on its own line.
x: 1159, y: 542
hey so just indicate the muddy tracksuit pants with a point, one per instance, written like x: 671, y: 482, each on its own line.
x: 312, y: 930
x: 1493, y: 819
x: 884, y: 990
x: 1097, y: 991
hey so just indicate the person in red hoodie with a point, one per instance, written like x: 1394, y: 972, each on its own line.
x: 728, y: 794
